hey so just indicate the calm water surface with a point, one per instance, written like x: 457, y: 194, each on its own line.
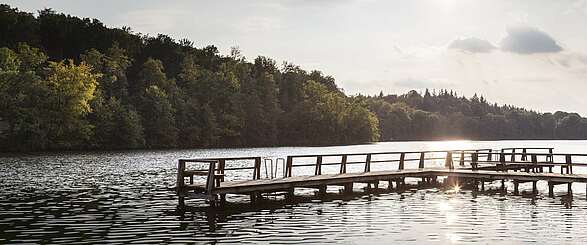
x: 128, y: 197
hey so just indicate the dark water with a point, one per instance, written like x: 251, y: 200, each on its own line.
x: 128, y: 197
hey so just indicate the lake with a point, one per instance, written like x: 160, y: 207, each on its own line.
x: 128, y: 197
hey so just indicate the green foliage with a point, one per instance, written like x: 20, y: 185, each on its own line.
x: 116, y: 126
x: 72, y: 83
x: 9, y: 61
x: 447, y: 116
x: 70, y: 89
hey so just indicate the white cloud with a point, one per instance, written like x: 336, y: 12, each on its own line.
x: 472, y: 45
x: 529, y: 40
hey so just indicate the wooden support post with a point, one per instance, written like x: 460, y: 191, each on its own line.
x: 534, y: 188
x: 502, y: 185
x: 474, y: 159
x: 180, y: 184
x: 502, y: 161
x: 482, y: 185
x: 288, y: 166
x: 490, y: 155
x: 448, y: 161
x: 180, y: 180
x: 368, y: 163
x: 322, y: 190
x: 257, y: 169
x: 516, y: 185
x: 422, y: 157
x: 390, y: 185
x: 348, y: 188
x: 462, y: 159
x: 289, y: 195
x: 513, y: 158
x: 550, y: 156
x: 402, y: 158
x: 222, y: 165
x: 570, y: 189
x: 211, y: 183
x: 343, y: 164
x: 569, y: 164
x: 253, y: 198
x: 534, y: 162
x: 375, y: 184
x: 550, y: 189
x: 222, y: 200
x: 524, y: 155
x: 318, y: 170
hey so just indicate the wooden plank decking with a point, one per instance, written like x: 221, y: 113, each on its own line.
x: 267, y: 185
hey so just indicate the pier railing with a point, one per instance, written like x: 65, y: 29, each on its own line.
x: 383, y: 160
x: 213, y: 171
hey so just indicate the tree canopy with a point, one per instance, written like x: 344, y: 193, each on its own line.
x: 73, y: 83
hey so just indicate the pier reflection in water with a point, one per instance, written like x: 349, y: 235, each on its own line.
x: 127, y: 197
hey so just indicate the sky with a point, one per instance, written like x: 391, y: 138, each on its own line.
x: 528, y: 53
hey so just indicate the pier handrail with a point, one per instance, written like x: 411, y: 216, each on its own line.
x: 475, y: 158
x: 463, y: 155
x: 488, y: 164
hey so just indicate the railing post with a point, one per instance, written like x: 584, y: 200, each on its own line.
x: 448, y: 161
x: 343, y: 164
x: 474, y: 158
x: 513, y: 158
x: 524, y: 154
x: 502, y: 161
x: 421, y: 163
x: 534, y: 161
x: 221, y: 166
x: 490, y: 155
x: 569, y: 164
x: 180, y: 180
x: 318, y: 165
x: 210, y: 181
x: 550, y: 155
x: 462, y: 160
x: 257, y: 168
x: 368, y: 163
x: 288, y: 166
x: 402, y: 157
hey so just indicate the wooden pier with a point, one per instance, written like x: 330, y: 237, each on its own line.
x: 254, y: 176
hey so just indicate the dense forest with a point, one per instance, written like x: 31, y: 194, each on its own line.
x: 73, y: 83
x: 444, y: 115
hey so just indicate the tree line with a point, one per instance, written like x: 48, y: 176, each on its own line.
x: 445, y: 115
x: 73, y: 83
